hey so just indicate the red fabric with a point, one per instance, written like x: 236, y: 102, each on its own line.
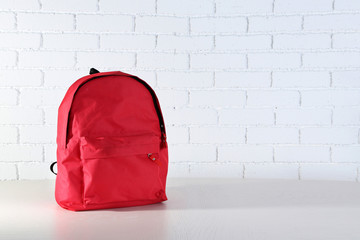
x: 111, y: 151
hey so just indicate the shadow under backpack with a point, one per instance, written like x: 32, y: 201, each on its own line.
x: 111, y: 144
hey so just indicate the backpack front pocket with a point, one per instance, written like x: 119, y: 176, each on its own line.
x: 121, y: 169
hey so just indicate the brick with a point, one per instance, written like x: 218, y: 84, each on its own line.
x: 73, y: 6
x: 172, y: 98
x: 217, y: 98
x: 191, y: 116
x: 178, y: 170
x: 242, y: 79
x: 20, y: 40
x: 104, y: 23
x: 274, y: 60
x: 185, y: 79
x: 245, y: 153
x: 243, y: 42
x: 8, y: 134
x: 247, y: 116
x: 7, y: 171
x: 51, y: 114
x: 192, y: 153
x: 301, y: 41
x: 345, y: 97
x: 162, y: 60
x: 346, y: 115
x: 18, y: 115
x: 270, y: 98
x: 45, y: 22
x: 346, y: 79
x: 346, y: 40
x: 41, y: 97
x: 184, y: 43
x: 123, y: 6
x: 303, y: 117
x: 301, y: 79
x: 186, y: 7
x: 331, y: 59
x: 299, y: 154
x: 271, y: 170
x: 50, y: 153
x: 37, y: 134
x: 20, y: 153
x: 20, y: 5
x: 268, y: 135
x: 305, y: 6
x: 347, y: 5
x: 8, y: 97
x: 328, y: 171
x: 229, y: 7
x: 20, y: 78
x: 218, y: 25
x: 46, y: 59
x: 34, y: 171
x: 105, y: 59
x: 221, y: 135
x: 329, y: 135
x: 7, y: 21
x: 275, y: 24
x: 116, y: 41
x: 70, y: 41
x: 62, y: 78
x: 346, y: 154
x: 216, y: 170
x: 315, y: 98
x: 7, y: 59
x: 339, y: 22
x: 159, y: 24
x: 217, y: 61
x: 177, y: 134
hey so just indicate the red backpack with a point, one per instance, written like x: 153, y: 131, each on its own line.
x: 111, y: 144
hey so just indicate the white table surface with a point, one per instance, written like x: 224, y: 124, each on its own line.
x: 196, y: 209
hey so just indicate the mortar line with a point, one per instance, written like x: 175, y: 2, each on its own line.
x: 331, y: 153
x: 98, y: 5
x: 74, y: 22
x: 16, y: 20
x: 17, y: 171
x: 134, y: 23
x: 302, y: 22
x: 243, y: 172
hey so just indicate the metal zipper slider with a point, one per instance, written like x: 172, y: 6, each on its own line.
x: 150, y: 155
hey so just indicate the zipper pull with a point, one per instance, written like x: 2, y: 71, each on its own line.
x: 154, y: 157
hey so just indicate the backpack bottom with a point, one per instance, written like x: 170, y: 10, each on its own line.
x: 79, y: 207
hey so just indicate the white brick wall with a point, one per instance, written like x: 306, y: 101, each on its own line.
x: 249, y: 88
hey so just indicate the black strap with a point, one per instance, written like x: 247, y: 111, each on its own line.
x: 52, y: 168
x: 93, y: 71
